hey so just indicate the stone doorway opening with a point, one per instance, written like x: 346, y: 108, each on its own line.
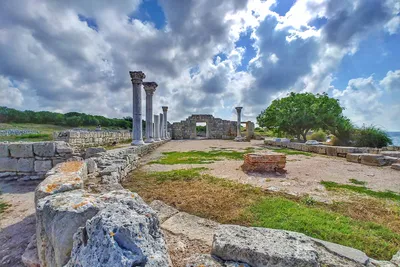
x: 201, y: 130
x: 243, y: 128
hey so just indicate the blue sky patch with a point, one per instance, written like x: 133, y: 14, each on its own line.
x: 246, y: 42
x: 283, y: 6
x: 91, y: 22
x: 150, y: 11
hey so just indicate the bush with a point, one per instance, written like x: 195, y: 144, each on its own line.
x: 320, y: 136
x: 372, y: 136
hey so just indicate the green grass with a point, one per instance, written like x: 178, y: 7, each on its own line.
x: 3, y: 206
x: 225, y: 201
x: 361, y: 190
x: 292, y: 152
x: 357, y: 182
x: 280, y: 213
x: 199, y: 157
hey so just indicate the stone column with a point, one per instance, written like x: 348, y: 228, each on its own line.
x: 165, y: 109
x: 157, y: 128
x: 238, y: 134
x: 137, y: 80
x: 161, y: 126
x: 149, y: 88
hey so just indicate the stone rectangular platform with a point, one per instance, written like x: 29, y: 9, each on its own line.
x: 264, y: 162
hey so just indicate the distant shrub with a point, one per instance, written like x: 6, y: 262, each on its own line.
x: 320, y: 136
x: 371, y: 136
x: 335, y: 141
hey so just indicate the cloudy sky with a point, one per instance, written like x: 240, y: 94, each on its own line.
x: 207, y: 56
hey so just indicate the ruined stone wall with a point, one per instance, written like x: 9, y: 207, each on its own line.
x: 83, y: 139
x: 81, y: 209
x: 31, y: 160
x: 216, y: 128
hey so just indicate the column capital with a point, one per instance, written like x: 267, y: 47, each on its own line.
x: 137, y: 76
x: 165, y: 108
x: 150, y: 87
x: 238, y: 109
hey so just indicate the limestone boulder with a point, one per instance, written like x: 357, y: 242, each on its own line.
x: 58, y: 218
x: 66, y: 176
x: 269, y: 247
x: 125, y: 233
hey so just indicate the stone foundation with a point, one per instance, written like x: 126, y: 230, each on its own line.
x: 31, y: 160
x: 264, y: 162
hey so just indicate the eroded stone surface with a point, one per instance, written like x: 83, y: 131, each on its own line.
x: 21, y: 150
x: 191, y: 226
x: 44, y: 149
x: 270, y: 247
x: 203, y: 260
x: 163, y: 211
x: 120, y: 236
x: 264, y: 162
x: 30, y: 257
x: 373, y: 159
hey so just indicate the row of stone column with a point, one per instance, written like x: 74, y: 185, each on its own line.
x: 155, y: 131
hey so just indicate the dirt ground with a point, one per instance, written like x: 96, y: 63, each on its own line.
x: 17, y: 223
x: 304, y: 173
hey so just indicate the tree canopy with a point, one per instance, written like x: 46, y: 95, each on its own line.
x: 299, y: 113
x: 73, y: 119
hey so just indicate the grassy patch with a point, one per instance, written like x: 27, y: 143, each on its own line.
x: 357, y: 182
x: 292, y: 152
x: 3, y: 206
x: 199, y: 157
x: 195, y: 192
x: 361, y: 190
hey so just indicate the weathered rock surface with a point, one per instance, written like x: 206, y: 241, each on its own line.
x: 204, y: 260
x: 124, y: 233
x: 94, y: 152
x: 396, y: 166
x: 58, y: 218
x: 354, y: 157
x: 64, y: 177
x: 44, y: 149
x: 163, y: 211
x: 30, y: 256
x: 269, y: 247
x: 20, y: 150
x: 195, y: 228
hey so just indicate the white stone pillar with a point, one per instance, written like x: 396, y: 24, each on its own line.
x: 238, y: 134
x: 149, y: 88
x: 157, y: 128
x: 137, y: 80
x: 165, y: 109
x: 161, y: 126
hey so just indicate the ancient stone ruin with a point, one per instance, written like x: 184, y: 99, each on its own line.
x: 216, y: 128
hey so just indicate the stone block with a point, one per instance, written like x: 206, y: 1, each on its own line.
x: 25, y: 165
x: 94, y: 152
x: 63, y: 148
x: 21, y: 150
x: 390, y: 160
x: 44, y: 149
x: 264, y: 162
x: 373, y: 159
x: 91, y: 165
x: 43, y: 165
x: 395, y: 154
x: 331, y: 151
x: 353, y: 157
x: 4, y: 150
x: 8, y: 165
x: 396, y: 166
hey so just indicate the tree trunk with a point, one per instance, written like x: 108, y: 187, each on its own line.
x: 304, y: 135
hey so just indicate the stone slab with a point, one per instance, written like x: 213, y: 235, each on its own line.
x: 25, y: 165
x: 44, y: 149
x: 373, y: 160
x: 4, y: 150
x: 21, y: 150
x: 8, y: 165
x: 396, y: 166
x: 193, y: 227
x: 353, y: 157
x: 163, y: 211
x: 43, y: 165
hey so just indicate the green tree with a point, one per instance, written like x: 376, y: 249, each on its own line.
x: 371, y: 136
x: 298, y: 113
